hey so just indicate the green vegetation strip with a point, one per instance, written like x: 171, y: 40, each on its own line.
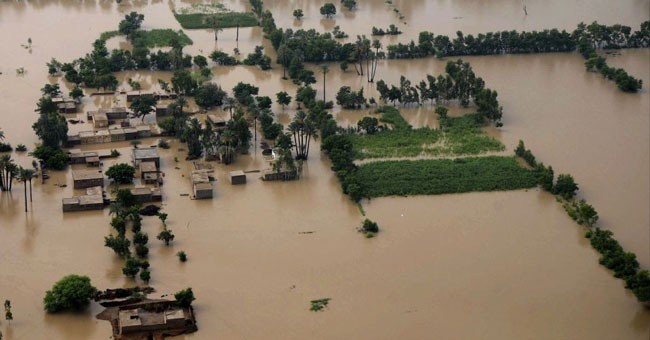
x: 223, y: 20
x: 457, y: 136
x: 153, y: 38
x: 161, y: 37
x: 434, y: 177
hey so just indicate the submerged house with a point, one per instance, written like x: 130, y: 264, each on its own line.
x: 201, y: 186
x: 237, y: 177
x: 148, y: 319
x: 146, y: 155
x: 87, y: 178
x: 92, y: 200
x: 146, y: 194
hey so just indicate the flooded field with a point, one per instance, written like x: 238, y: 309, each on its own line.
x: 483, y: 265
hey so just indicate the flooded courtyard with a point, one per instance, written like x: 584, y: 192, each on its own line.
x: 480, y: 265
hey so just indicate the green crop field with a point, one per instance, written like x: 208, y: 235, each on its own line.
x: 444, y: 176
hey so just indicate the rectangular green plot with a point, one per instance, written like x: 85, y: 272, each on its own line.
x: 443, y: 176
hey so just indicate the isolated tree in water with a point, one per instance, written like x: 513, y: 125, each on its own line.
x: 328, y: 10
x: 73, y: 292
x: 298, y: 14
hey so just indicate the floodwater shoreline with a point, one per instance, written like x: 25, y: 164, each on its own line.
x: 508, y: 263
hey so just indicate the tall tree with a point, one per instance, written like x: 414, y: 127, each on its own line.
x: 214, y: 22
x: 25, y: 175
x: 324, y: 69
x: 328, y: 10
x: 131, y: 23
x: 302, y: 129
x: 144, y: 105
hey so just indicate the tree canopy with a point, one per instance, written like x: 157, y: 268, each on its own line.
x: 121, y: 173
x: 72, y: 292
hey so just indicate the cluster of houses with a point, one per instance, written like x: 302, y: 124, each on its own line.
x: 146, y: 160
x: 113, y: 125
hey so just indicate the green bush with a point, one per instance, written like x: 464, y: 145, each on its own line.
x: 185, y: 297
x: 72, y: 292
x: 369, y: 226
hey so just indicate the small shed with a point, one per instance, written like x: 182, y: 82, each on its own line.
x: 161, y: 110
x: 117, y: 135
x: 103, y: 136
x: 87, y: 178
x: 67, y: 107
x: 149, y: 172
x: 76, y: 156
x: 100, y: 120
x: 73, y: 140
x: 131, y: 95
x: 82, y: 203
x: 115, y: 113
x: 143, y: 131
x: 87, y: 137
x: 146, y: 155
x: 201, y: 186
x: 146, y: 195
x: 130, y: 133
x: 216, y: 122
x: 92, y: 161
x: 237, y: 177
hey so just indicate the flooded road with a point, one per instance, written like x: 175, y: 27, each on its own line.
x: 482, y: 265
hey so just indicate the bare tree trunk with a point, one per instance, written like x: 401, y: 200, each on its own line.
x: 237, y: 39
x: 25, y: 187
x: 324, y: 86
x: 30, y: 189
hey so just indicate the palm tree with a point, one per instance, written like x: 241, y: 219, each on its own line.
x: 302, y: 129
x: 214, y: 22
x: 8, y: 171
x: 325, y: 69
x: 27, y: 174
x: 22, y: 176
x: 226, y: 149
x: 375, y: 60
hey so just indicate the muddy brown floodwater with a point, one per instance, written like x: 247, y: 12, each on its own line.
x: 503, y: 265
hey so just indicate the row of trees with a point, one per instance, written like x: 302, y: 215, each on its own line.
x: 504, y: 42
x: 614, y: 257
x: 460, y: 83
x: 596, y: 36
x: 297, y: 47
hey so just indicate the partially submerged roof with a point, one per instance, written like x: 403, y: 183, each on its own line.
x: 79, y: 175
x: 148, y: 167
x: 145, y: 153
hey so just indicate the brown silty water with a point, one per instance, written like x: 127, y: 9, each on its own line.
x: 481, y: 265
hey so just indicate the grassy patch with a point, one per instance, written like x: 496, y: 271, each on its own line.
x: 391, y: 115
x: 225, y: 20
x: 153, y: 38
x: 161, y: 37
x: 457, y: 136
x: 394, y: 143
x: 434, y: 177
